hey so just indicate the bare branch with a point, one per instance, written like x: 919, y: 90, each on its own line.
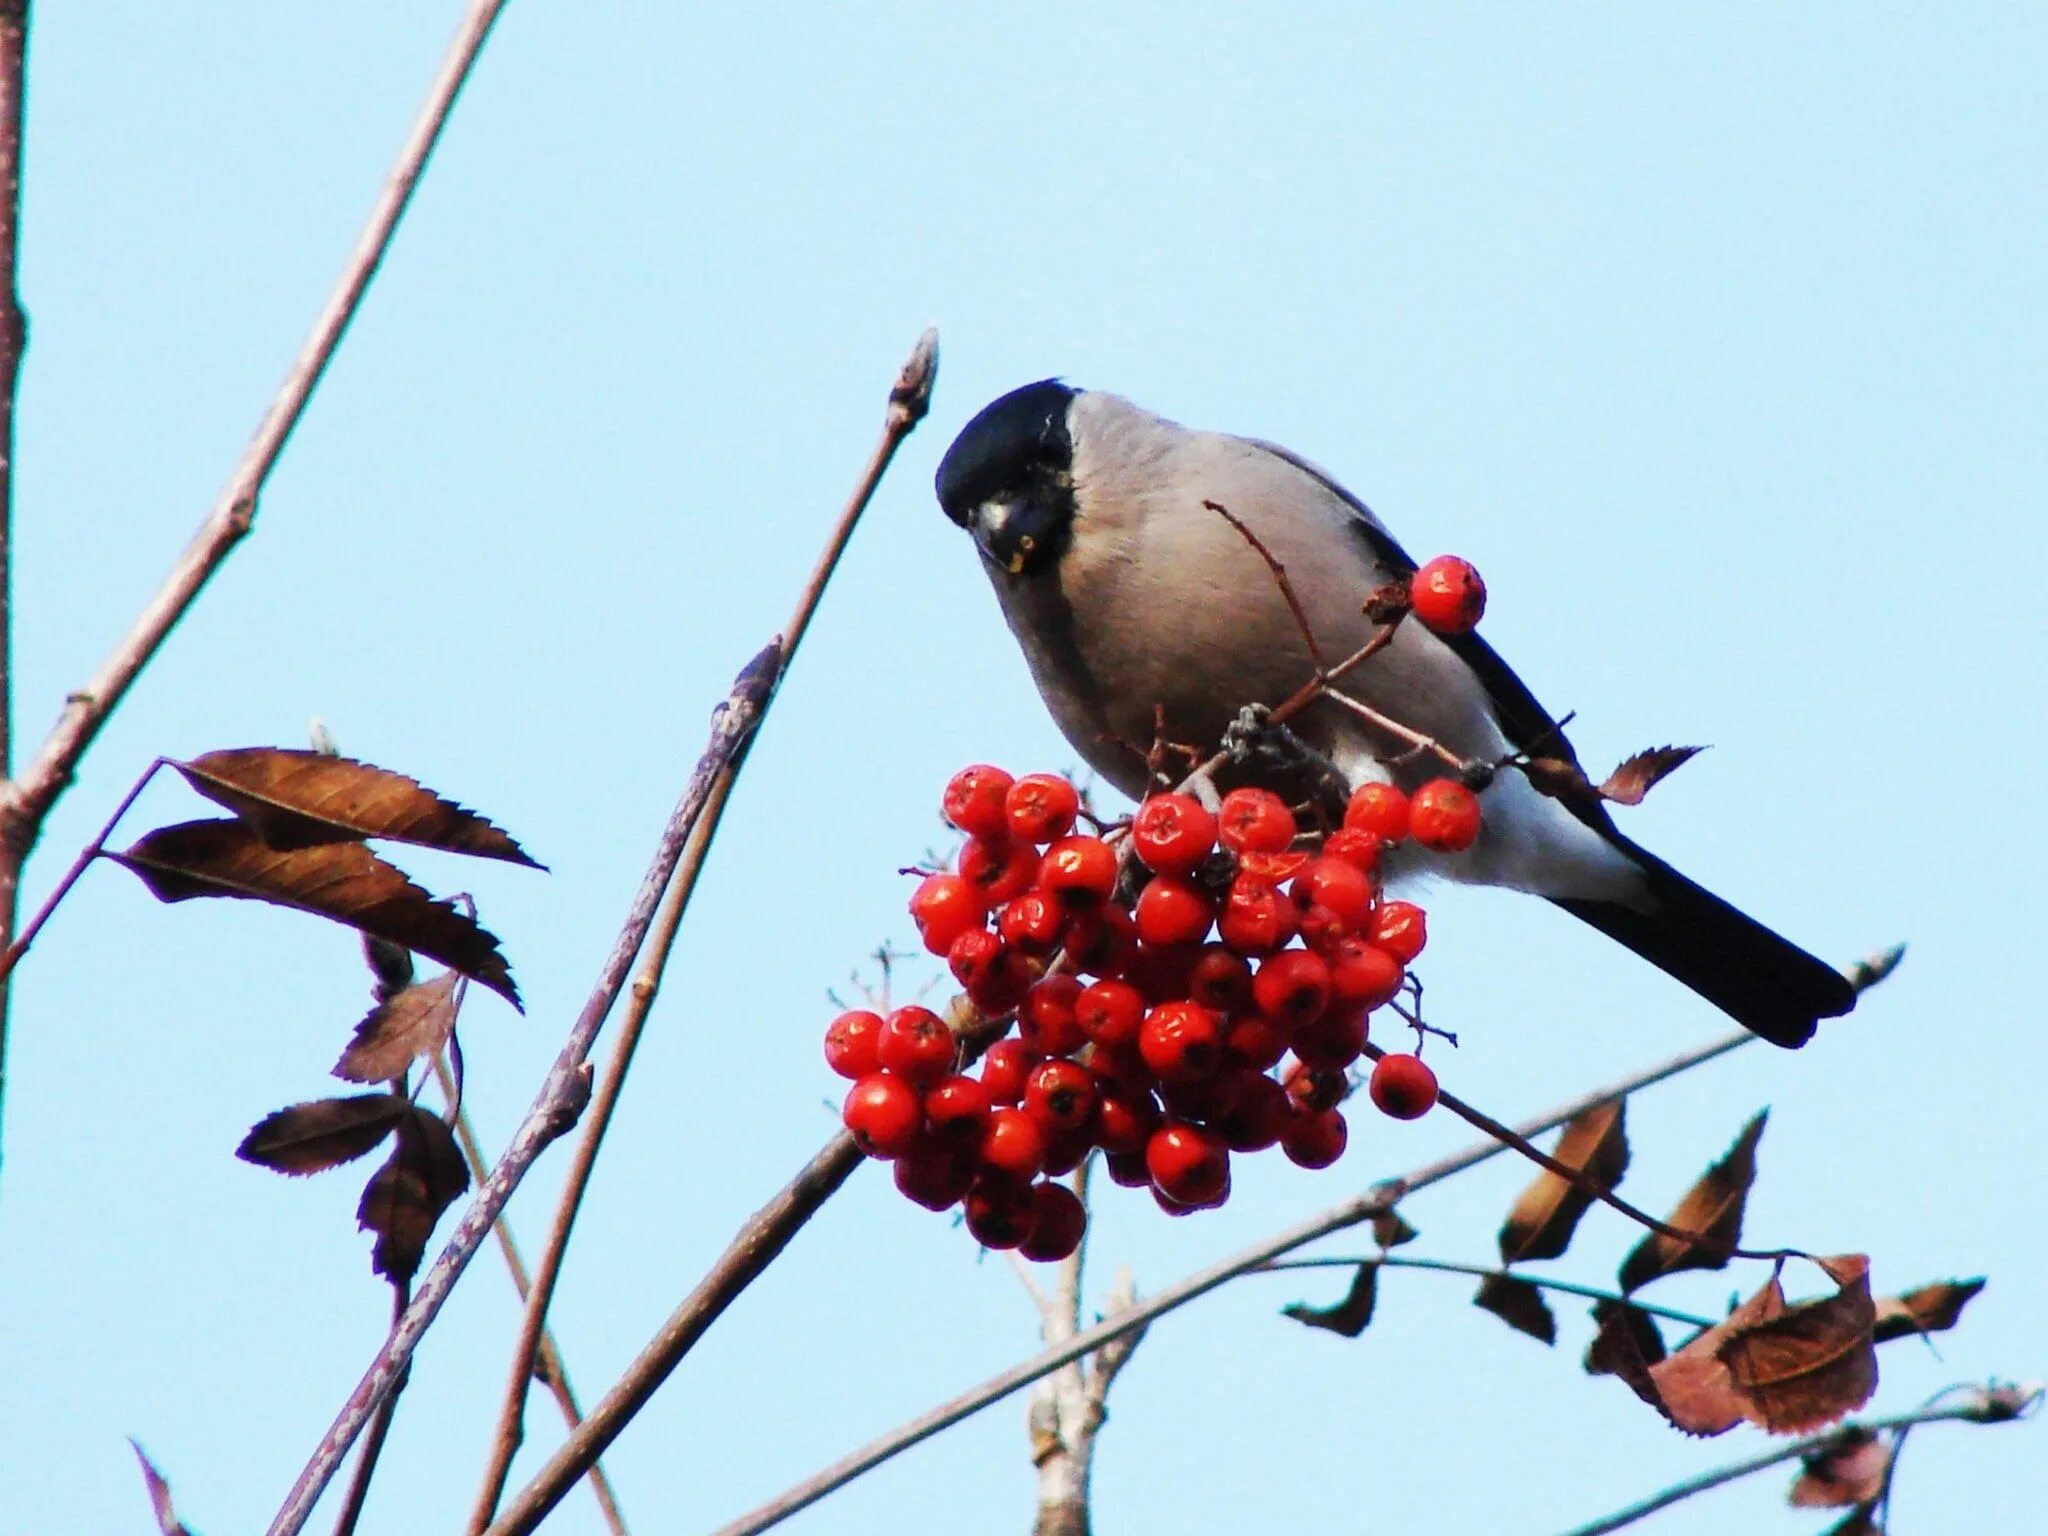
x: 373, y: 1443
x: 909, y: 398
x: 1486, y: 1272
x: 13, y: 342
x: 560, y: 1101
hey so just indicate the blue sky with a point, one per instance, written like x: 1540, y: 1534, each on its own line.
x: 1715, y: 336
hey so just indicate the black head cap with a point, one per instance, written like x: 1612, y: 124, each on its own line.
x: 1015, y: 446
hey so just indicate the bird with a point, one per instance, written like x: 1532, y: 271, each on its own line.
x: 1147, y: 618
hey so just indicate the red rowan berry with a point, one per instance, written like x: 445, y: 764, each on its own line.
x: 1292, y: 987
x: 1333, y: 1041
x: 850, y: 1043
x: 884, y: 1115
x: 1206, y: 1099
x: 1040, y: 807
x: 983, y: 964
x: 1046, y: 1022
x: 956, y: 1110
x: 1447, y: 595
x: 1060, y: 1095
x: 1170, y: 1206
x: 1220, y: 978
x: 999, y: 1213
x: 934, y: 1175
x: 1124, y: 1117
x: 1171, y: 911
x: 1354, y: 847
x: 1079, y: 869
x: 1012, y: 1143
x: 1315, y: 1089
x: 1067, y: 1150
x: 1274, y: 868
x: 1444, y: 816
x: 1400, y: 928
x: 1315, y: 1140
x: 1255, y: 1122
x: 1109, y: 1012
x: 1161, y: 972
x: 1057, y: 1221
x: 1030, y: 924
x: 1256, y: 919
x: 1128, y: 1169
x: 1338, y: 884
x: 1189, y: 1165
x: 1402, y: 1086
x: 1379, y: 809
x: 1256, y: 1041
x: 973, y: 800
x: 1099, y: 943
x: 1362, y: 973
x: 1255, y: 821
x: 944, y: 907
x: 1004, y: 1070
x: 998, y: 868
x: 1171, y: 834
x: 916, y: 1045
x: 1180, y: 1041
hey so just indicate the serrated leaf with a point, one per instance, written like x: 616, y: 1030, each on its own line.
x: 167, y: 1521
x: 1560, y: 778
x: 1545, y: 1215
x: 1849, y: 1470
x: 1640, y: 774
x: 1390, y: 1230
x: 1928, y: 1309
x: 1813, y: 1362
x: 410, y: 1024
x: 1626, y: 1345
x: 298, y: 798
x: 1518, y: 1304
x: 1693, y: 1386
x: 1712, y: 1210
x: 1348, y: 1316
x: 343, y: 882
x: 408, y: 1194
x: 324, y: 1133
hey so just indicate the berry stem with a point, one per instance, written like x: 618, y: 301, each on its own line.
x: 1485, y: 1272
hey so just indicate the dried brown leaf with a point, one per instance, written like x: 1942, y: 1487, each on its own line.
x: 410, y: 1024
x: 1694, y: 1386
x: 407, y: 1196
x: 1813, y: 1362
x: 1560, y: 778
x: 1929, y: 1309
x: 1627, y: 1345
x: 323, y: 1134
x: 298, y: 798
x: 344, y: 882
x: 1348, y: 1316
x: 1546, y: 1213
x: 167, y: 1521
x: 1390, y: 1230
x: 1711, y: 1209
x: 1849, y: 1470
x: 1518, y: 1304
x: 1640, y: 774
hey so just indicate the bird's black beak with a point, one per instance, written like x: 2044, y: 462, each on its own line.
x: 1015, y: 533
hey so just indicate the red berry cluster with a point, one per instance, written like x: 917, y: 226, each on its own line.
x: 1217, y: 1010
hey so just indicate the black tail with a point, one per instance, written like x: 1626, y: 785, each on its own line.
x: 1763, y: 982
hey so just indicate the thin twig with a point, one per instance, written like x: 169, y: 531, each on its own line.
x: 1985, y: 1405
x: 373, y: 1443
x: 548, y: 1364
x: 909, y: 399
x: 13, y: 342
x: 79, y: 865
x: 1308, y: 633
x: 562, y: 1097
x: 1485, y: 1272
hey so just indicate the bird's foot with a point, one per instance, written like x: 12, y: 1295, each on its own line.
x: 1273, y: 751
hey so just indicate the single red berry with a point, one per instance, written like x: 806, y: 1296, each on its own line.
x: 1205, y: 1099
x: 1161, y: 971
x: 1444, y: 816
x: 1355, y: 847
x: 1189, y: 1165
x: 944, y: 907
x: 1079, y: 869
x: 1181, y: 1041
x: 1256, y: 1041
x: 1220, y: 978
x: 884, y: 1114
x: 916, y: 1045
x: 1057, y: 1221
x: 1122, y: 1065
x: 934, y: 1175
x: 1335, y: 1040
x: 1315, y: 1140
x: 973, y: 956
x: 1259, y: 1116
x: 1448, y: 595
x: 1402, y: 1086
x: 999, y: 1213
x: 1315, y: 1089
x: 973, y: 800
x: 1379, y: 809
x: 1128, y: 1169
x: 1400, y: 928
x: 1046, y: 1022
x: 1040, y: 807
x: 1060, y: 1095
x: 850, y: 1042
x: 1012, y: 1143
x: 1338, y: 884
x: 1362, y: 974
x: 1255, y: 821
x: 1171, y: 834
x: 1292, y: 987
x: 1171, y: 911
x: 1125, y: 1118
x: 1274, y: 868
x: 998, y: 868
x: 1170, y: 1206
x: 1256, y: 919
x: 1323, y: 930
x: 1067, y: 1150
x: 1030, y: 924
x: 1004, y: 1070
x: 1099, y: 943
x: 1109, y: 1012
x: 956, y: 1110
x: 996, y: 977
